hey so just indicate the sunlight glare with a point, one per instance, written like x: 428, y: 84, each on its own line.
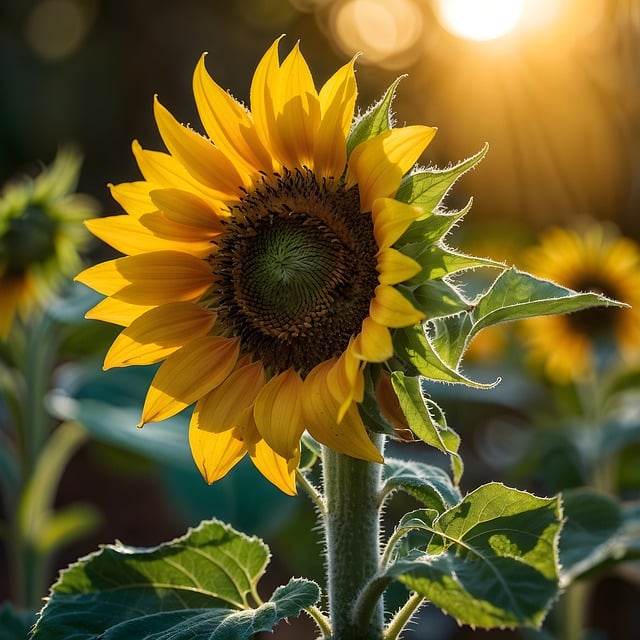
x: 480, y: 19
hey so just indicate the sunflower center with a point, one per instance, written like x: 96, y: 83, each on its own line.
x: 28, y: 239
x: 297, y: 270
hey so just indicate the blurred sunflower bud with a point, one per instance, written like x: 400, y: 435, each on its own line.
x: 41, y: 236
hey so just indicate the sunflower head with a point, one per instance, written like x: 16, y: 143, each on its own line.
x: 594, y: 257
x: 271, y: 262
x: 41, y: 233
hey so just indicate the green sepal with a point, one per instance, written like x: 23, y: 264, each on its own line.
x: 375, y: 121
x: 427, y: 188
x: 426, y: 420
x: 492, y: 560
x: 369, y: 408
x: 212, y: 570
x: 431, y: 228
x: 438, y: 261
x: 435, y: 298
x: 415, y: 347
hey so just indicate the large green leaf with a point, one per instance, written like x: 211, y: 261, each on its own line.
x: 427, y: 188
x: 426, y: 482
x: 426, y: 419
x: 375, y: 121
x: 492, y: 560
x: 220, y: 624
x: 212, y: 567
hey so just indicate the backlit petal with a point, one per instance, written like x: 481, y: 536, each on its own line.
x: 184, y: 207
x: 391, y: 219
x: 345, y: 380
x: 278, y: 413
x: 337, y: 103
x: 158, y: 333
x: 349, y: 436
x: 378, y: 164
x: 188, y: 374
x: 151, y: 278
x: 394, y: 267
x: 127, y: 235
x: 215, y: 454
x: 280, y: 472
x: 374, y: 343
x: 221, y: 408
x: 202, y: 159
x: 228, y: 123
x: 133, y: 197
x: 297, y: 110
x: 116, y: 311
x: 391, y: 309
x: 262, y: 104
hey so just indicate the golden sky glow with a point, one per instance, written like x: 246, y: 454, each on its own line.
x: 480, y: 19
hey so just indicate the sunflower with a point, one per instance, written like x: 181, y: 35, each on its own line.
x: 41, y: 233
x: 260, y: 269
x: 593, y: 258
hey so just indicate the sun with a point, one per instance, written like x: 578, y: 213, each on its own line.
x: 480, y: 19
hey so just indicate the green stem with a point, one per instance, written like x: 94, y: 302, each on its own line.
x: 573, y: 609
x: 352, y: 535
x: 400, y: 620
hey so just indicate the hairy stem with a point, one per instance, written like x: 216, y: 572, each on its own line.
x: 352, y: 535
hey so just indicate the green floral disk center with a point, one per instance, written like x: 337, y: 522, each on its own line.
x: 26, y: 239
x: 296, y: 270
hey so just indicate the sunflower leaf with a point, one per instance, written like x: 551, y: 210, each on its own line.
x: 375, y: 121
x: 492, y: 560
x: 516, y: 295
x: 426, y: 189
x: 15, y: 624
x: 425, y: 482
x: 426, y: 419
x: 435, y: 298
x: 209, y: 573
x: 219, y: 624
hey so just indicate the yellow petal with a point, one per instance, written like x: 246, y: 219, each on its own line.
x: 133, y: 197
x: 280, y: 472
x: 158, y: 333
x: 184, y: 207
x: 337, y: 102
x: 349, y: 435
x: 163, y: 170
x: 394, y: 267
x: 205, y: 162
x: 150, y: 278
x: 215, y: 454
x: 391, y: 219
x: 278, y: 413
x: 188, y: 374
x: 262, y: 103
x: 377, y: 165
x: 391, y: 309
x: 297, y: 110
x: 228, y: 123
x: 127, y: 235
x: 116, y: 311
x: 345, y: 380
x: 374, y: 343
x: 221, y: 409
